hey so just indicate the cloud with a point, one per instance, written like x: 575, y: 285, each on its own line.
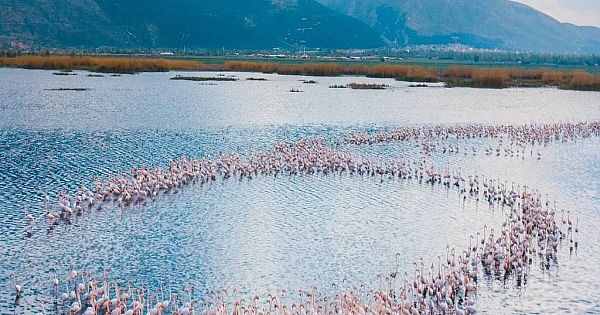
x: 579, y: 5
x: 579, y: 12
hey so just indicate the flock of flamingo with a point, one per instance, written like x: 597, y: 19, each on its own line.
x: 532, y: 231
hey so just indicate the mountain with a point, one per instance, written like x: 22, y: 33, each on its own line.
x: 500, y: 24
x: 229, y: 24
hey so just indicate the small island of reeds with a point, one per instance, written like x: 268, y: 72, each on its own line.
x: 68, y: 89
x: 360, y: 86
x: 64, y: 72
x: 217, y: 78
x: 367, y: 86
x: 256, y: 79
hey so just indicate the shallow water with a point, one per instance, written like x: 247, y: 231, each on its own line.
x: 272, y: 233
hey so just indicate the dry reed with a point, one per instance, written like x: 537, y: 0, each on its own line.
x: 581, y: 80
x: 552, y: 77
x: 490, y: 78
x: 96, y: 64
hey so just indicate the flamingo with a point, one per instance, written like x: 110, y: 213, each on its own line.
x: 395, y: 272
x: 50, y: 217
x: 16, y: 286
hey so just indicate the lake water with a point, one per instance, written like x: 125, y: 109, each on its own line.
x: 279, y: 232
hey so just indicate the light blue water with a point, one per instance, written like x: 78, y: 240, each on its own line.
x: 272, y: 233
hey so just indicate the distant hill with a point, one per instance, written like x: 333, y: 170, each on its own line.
x: 490, y: 24
x: 229, y: 24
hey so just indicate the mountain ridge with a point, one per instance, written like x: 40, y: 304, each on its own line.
x: 288, y: 24
x: 493, y: 24
x: 251, y: 24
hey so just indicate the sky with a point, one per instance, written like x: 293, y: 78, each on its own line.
x: 578, y: 12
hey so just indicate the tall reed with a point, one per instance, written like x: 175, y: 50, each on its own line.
x: 490, y: 78
x: 552, y: 77
x: 581, y: 80
x: 116, y: 65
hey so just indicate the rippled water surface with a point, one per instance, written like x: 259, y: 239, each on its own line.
x: 270, y: 233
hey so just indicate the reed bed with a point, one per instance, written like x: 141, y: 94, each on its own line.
x: 491, y: 78
x: 400, y: 72
x: 453, y: 76
x: 552, y: 77
x: 581, y: 80
x: 106, y: 65
x: 512, y: 77
x: 313, y: 69
x: 404, y: 73
x: 458, y: 72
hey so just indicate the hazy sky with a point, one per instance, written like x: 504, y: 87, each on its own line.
x: 579, y: 12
